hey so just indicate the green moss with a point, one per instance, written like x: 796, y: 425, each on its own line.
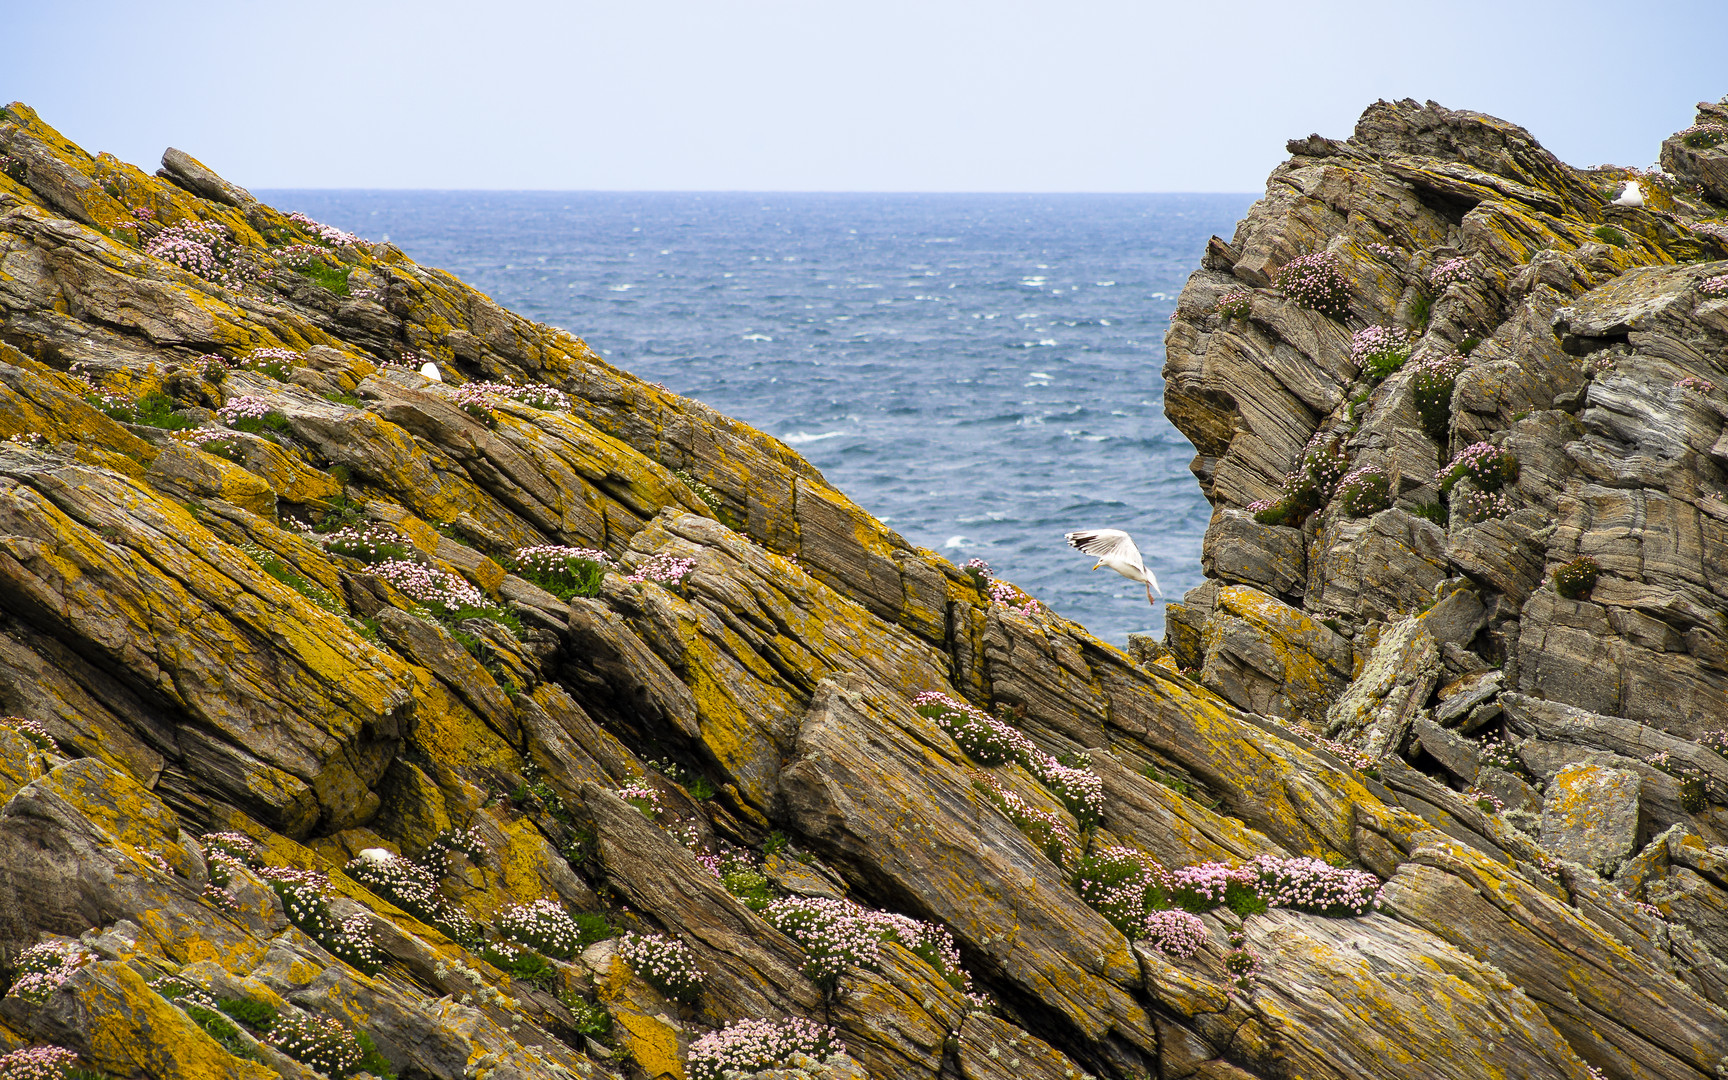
x: 257, y: 1015
x: 345, y: 399
x: 325, y: 276
x: 1419, y: 311
x: 586, y: 1018
x: 1434, y: 511
x: 371, y: 1061
x: 261, y: 425
x: 1608, y: 234
x: 594, y: 926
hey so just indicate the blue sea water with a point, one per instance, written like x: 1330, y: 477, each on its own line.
x: 979, y: 371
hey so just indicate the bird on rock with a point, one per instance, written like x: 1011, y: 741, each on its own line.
x: 430, y: 370
x: 1114, y: 549
x: 1631, y: 195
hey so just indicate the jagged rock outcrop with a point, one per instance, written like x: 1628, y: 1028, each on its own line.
x: 539, y: 722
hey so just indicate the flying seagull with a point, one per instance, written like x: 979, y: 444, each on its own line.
x: 1633, y: 195
x: 1114, y: 549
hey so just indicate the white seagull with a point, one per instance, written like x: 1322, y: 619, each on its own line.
x: 1632, y: 195
x: 430, y: 370
x: 1114, y: 549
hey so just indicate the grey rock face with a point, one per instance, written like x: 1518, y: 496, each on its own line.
x: 1590, y: 815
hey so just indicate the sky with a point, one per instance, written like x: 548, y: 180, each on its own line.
x: 826, y: 95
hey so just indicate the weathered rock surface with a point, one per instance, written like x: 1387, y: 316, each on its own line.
x: 187, y: 659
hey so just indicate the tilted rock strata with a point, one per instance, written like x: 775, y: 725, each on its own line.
x: 211, y: 679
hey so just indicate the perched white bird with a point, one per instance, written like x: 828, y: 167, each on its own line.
x: 376, y: 855
x: 1115, y: 550
x: 1631, y: 195
x: 430, y: 370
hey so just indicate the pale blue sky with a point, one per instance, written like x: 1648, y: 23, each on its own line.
x: 926, y: 95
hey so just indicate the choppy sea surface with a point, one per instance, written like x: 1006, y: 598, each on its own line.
x: 979, y: 371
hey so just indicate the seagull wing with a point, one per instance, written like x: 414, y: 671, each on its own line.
x: 1112, y: 545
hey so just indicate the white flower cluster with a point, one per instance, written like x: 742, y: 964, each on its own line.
x: 1716, y: 286
x: 750, y: 1046
x: 544, y: 925
x: 413, y: 888
x: 665, y: 962
x: 42, y: 967
x: 368, y: 543
x: 325, y: 1045
x: 556, y: 559
x: 27, y: 438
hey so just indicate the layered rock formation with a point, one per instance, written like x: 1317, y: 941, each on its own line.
x: 319, y: 761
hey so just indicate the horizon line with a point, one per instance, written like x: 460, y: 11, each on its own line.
x: 714, y: 191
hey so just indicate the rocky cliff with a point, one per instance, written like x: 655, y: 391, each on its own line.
x: 529, y: 720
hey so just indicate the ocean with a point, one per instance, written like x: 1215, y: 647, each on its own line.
x: 981, y: 372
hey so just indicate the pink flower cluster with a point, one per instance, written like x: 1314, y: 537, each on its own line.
x: 243, y: 407
x: 1044, y: 827
x: 1487, y: 801
x: 324, y: 234
x: 1448, y: 271
x: 751, y: 1046
x: 1364, y: 490
x: 1122, y: 885
x: 1703, y: 136
x: 1378, y: 341
x: 663, y: 569
x: 1385, y: 251
x: 203, y: 248
x: 1235, y: 304
x: 37, y: 1063
x: 43, y: 967
x: 538, y: 395
x: 1316, y: 282
x: 1313, y: 886
x: 190, y: 245
x: 31, y: 730
x: 976, y: 566
x: 837, y: 934
x: 644, y: 797
x: 990, y: 741
x: 1481, y: 462
x: 1695, y: 384
x: 440, y: 590
x: 1476, y: 505
x: 1011, y: 596
x: 1179, y: 933
x: 1716, y: 286
x: 300, y: 256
